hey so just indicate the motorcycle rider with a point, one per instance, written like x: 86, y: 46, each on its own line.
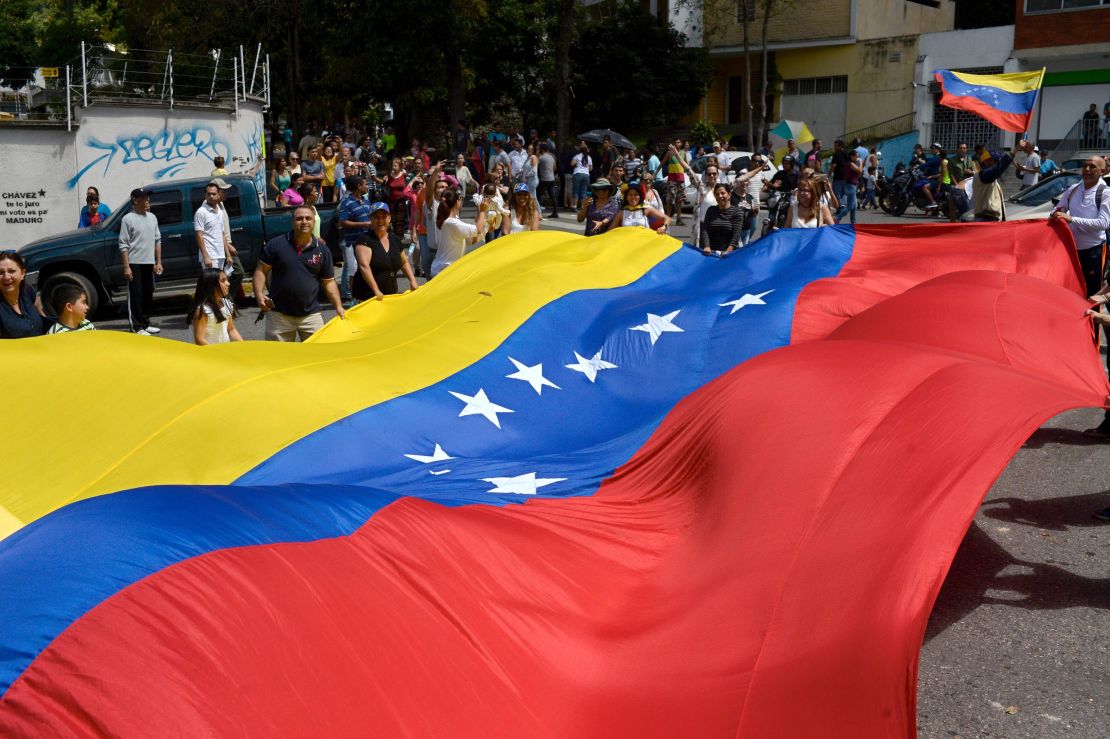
x: 930, y: 178
x: 784, y: 182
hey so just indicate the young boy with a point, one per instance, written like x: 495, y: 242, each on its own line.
x: 71, y: 305
x: 871, y: 177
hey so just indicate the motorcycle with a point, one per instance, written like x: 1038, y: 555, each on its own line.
x: 777, y: 205
x: 900, y: 194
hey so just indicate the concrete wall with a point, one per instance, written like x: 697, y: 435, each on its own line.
x: 116, y: 149
x: 35, y: 162
x: 882, y: 18
x: 828, y: 19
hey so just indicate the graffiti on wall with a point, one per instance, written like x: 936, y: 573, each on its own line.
x: 175, y: 148
x: 256, y: 151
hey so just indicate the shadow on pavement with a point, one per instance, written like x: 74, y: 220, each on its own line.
x: 1046, y: 435
x: 985, y: 573
x: 1054, y: 514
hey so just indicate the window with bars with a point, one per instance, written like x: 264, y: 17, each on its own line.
x: 745, y: 9
x: 815, y: 85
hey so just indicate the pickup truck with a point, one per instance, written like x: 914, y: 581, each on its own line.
x: 90, y: 257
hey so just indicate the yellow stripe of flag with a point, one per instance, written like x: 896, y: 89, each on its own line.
x: 1018, y: 82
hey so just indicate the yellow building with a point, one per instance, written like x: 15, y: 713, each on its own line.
x: 838, y: 65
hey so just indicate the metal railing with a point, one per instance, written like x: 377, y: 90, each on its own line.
x: 880, y: 131
x: 949, y: 134
x: 114, y: 73
x: 1085, y: 133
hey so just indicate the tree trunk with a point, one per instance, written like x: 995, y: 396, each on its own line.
x: 456, y: 90
x: 564, y: 34
x: 748, y: 75
x: 768, y: 8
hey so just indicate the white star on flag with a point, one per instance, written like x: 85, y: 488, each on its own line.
x: 747, y: 299
x: 521, y: 484
x: 532, y: 375
x: 479, y: 405
x: 656, y: 326
x: 590, y: 367
x: 436, y: 456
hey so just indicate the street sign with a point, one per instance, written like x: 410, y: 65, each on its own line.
x: 49, y: 71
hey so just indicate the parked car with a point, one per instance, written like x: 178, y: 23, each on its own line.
x: 90, y: 257
x: 1038, y: 201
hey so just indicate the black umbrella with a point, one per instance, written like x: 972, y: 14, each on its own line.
x: 595, y: 136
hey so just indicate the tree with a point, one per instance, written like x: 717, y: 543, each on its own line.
x: 17, y: 41
x: 633, y: 70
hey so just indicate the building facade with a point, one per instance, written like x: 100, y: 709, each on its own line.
x: 838, y: 65
x: 1071, y: 40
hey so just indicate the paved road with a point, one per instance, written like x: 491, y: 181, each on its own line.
x: 1017, y: 645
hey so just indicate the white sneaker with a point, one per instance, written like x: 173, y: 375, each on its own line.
x: 153, y: 330
x: 142, y: 332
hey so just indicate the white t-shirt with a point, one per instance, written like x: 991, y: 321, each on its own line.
x: 452, y: 243
x: 210, y: 223
x: 1030, y: 178
x: 581, y: 164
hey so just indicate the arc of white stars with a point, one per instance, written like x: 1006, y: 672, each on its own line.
x: 590, y: 367
x: 480, y: 405
x: 532, y: 375
x: 746, y: 300
x: 656, y: 326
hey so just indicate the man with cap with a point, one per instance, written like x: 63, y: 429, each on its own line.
x: 599, y: 209
x: 140, y: 248
x: 1031, y: 168
x: 300, y: 267
x: 986, y: 190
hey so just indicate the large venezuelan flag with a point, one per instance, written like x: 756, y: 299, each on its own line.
x: 1006, y: 100
x: 603, y: 487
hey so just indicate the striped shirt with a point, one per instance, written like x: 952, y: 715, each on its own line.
x: 61, y: 328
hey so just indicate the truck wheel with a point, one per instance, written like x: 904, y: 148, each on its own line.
x: 69, y: 278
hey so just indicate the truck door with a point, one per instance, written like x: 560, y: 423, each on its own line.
x: 179, y: 249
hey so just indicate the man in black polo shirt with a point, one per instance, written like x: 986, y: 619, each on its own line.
x: 299, y: 265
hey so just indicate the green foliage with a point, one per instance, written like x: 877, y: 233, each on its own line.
x: 632, y: 71
x: 703, y: 132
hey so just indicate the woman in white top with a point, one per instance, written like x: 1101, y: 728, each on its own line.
x: 454, y: 235
x: 212, y: 313
x: 523, y: 214
x: 808, y: 211
x: 462, y: 174
x: 635, y: 213
x: 581, y: 163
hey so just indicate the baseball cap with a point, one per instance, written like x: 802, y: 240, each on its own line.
x: 220, y: 182
x: 520, y: 187
x: 378, y: 206
x: 139, y: 192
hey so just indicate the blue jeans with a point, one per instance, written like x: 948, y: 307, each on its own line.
x: 580, y: 183
x: 846, y: 194
x: 427, y: 256
x: 349, y: 268
x: 750, y: 229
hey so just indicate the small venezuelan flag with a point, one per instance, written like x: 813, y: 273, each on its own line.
x: 1006, y: 100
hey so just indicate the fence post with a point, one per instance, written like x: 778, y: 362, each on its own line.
x: 254, y: 69
x: 235, y: 89
x: 169, y: 71
x: 69, y: 111
x: 267, y: 71
x: 215, y: 70
x: 84, y: 77
x: 243, y: 69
